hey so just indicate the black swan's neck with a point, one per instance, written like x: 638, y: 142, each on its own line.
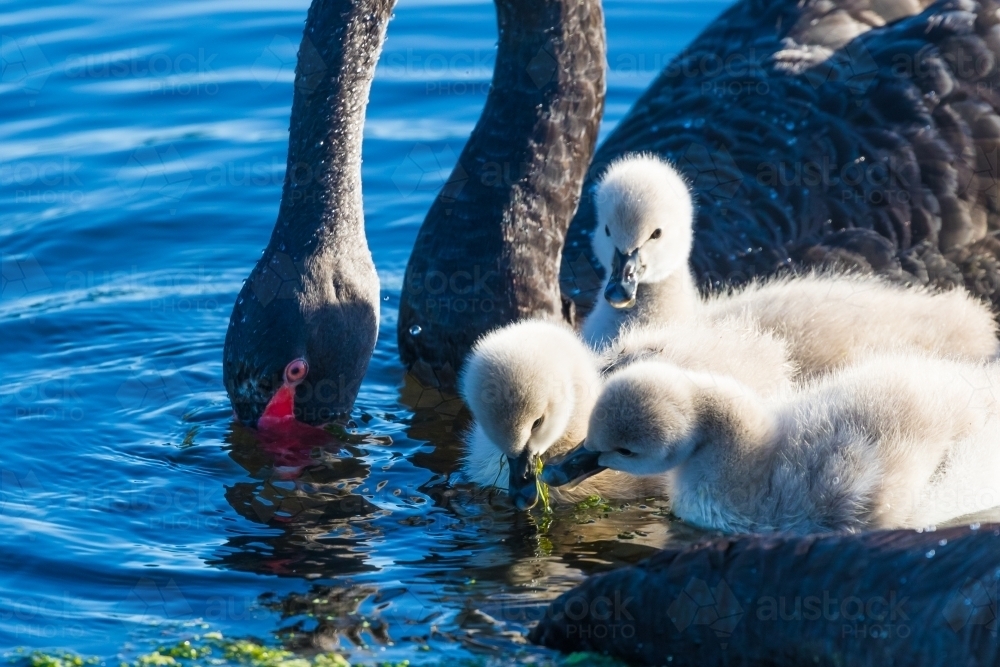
x: 488, y: 251
x: 322, y: 188
x: 313, y: 295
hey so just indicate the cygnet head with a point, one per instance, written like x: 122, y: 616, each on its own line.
x: 645, y: 419
x: 522, y: 383
x: 652, y: 416
x: 645, y: 216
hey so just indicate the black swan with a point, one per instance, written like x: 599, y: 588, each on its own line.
x: 313, y: 296
x: 857, y: 134
x: 488, y: 251
x: 879, y: 598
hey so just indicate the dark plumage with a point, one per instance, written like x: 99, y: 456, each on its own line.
x: 879, y: 598
x: 818, y: 133
x: 314, y: 294
x: 488, y: 251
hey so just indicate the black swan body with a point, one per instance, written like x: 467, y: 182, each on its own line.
x: 488, y: 251
x: 861, y: 134
x: 879, y: 598
x: 856, y: 133
x: 314, y: 294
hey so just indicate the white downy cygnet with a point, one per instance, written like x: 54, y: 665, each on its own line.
x: 531, y: 386
x: 645, y: 216
x: 643, y: 238
x: 896, y: 441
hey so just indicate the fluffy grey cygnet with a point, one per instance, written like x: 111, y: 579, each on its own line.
x: 897, y: 441
x: 531, y: 387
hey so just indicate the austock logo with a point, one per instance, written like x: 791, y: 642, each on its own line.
x: 23, y: 64
x: 974, y: 605
x: 279, y: 57
x: 712, y: 172
x: 19, y: 492
x: 279, y: 278
x: 425, y: 171
x: 149, y: 601
x: 152, y: 173
x: 701, y: 604
x: 852, y: 66
x: 152, y: 389
x: 21, y: 276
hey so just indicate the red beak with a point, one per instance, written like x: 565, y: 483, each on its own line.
x: 280, y: 409
x: 280, y: 429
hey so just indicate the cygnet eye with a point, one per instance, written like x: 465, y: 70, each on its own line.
x: 625, y: 452
x: 296, y: 370
x: 538, y: 422
x: 657, y: 234
x: 607, y: 232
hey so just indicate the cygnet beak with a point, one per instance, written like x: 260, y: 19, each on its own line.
x: 575, y: 466
x: 624, y: 279
x: 521, y: 487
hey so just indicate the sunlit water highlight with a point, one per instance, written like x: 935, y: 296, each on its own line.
x: 143, y: 154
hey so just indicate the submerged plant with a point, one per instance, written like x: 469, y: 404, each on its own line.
x: 59, y: 659
x: 543, y: 488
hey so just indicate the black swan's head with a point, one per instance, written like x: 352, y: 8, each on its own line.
x: 280, y: 318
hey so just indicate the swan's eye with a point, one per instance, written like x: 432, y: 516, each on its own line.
x: 607, y: 232
x: 657, y: 234
x: 296, y: 370
x: 535, y: 424
x: 625, y: 452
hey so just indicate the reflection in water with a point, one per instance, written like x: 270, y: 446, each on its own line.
x: 307, y: 496
x: 401, y: 553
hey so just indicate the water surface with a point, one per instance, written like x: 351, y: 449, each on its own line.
x: 143, y: 149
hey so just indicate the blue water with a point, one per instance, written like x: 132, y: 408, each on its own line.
x: 143, y: 148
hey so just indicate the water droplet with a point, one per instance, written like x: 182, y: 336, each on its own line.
x: 415, y: 330
x: 930, y: 554
x: 687, y: 124
x: 789, y: 126
x: 974, y: 526
x: 385, y: 298
x: 942, y: 543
